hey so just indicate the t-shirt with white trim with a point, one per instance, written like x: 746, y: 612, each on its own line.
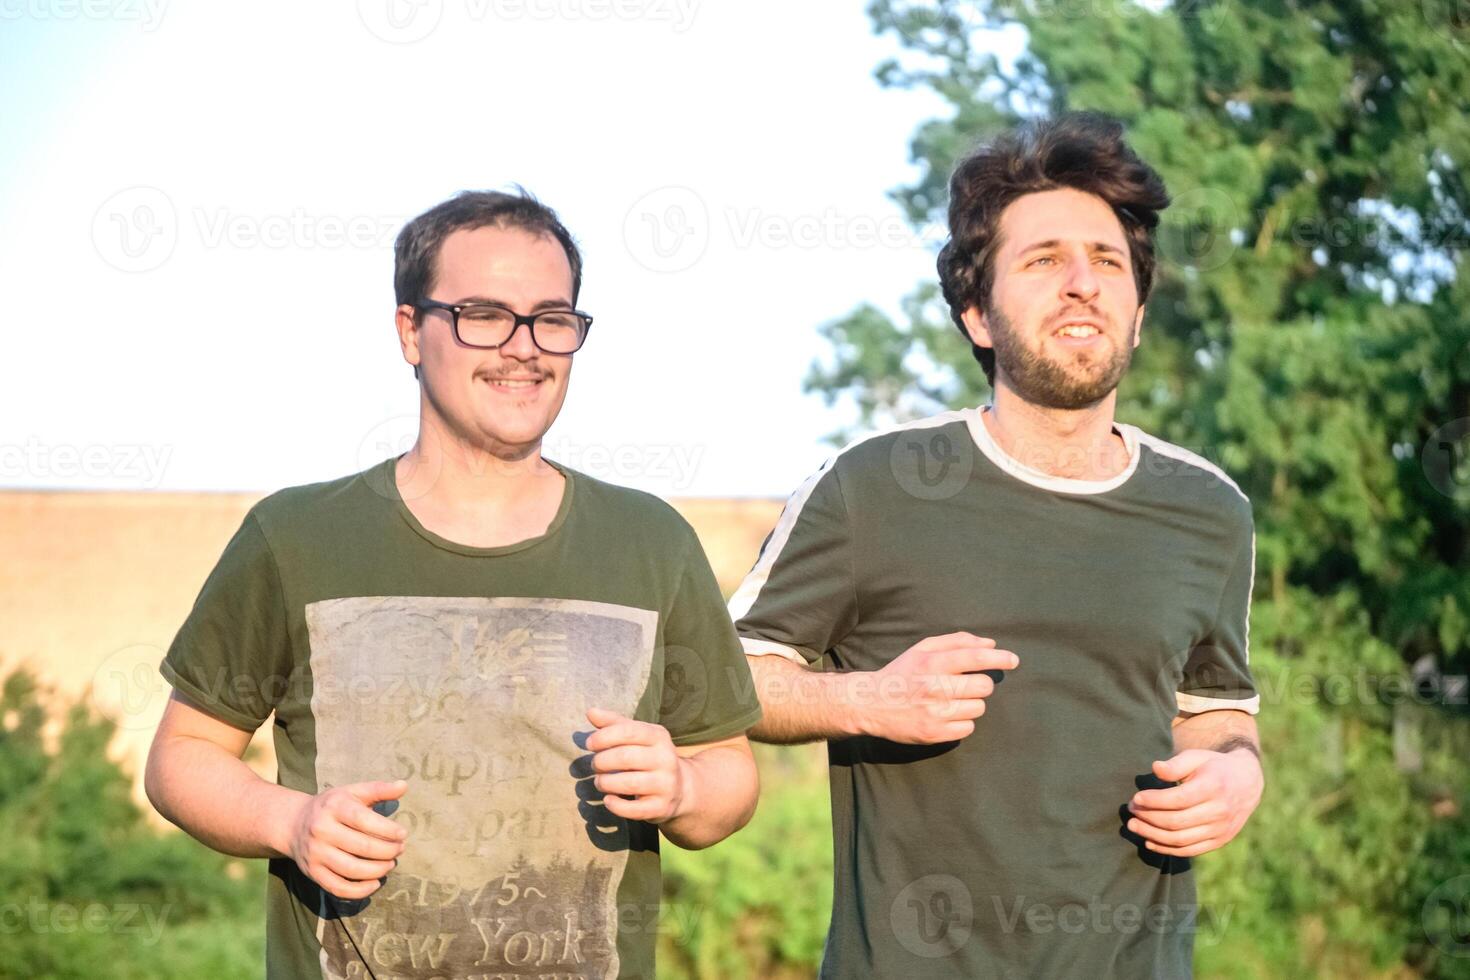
x: 1006, y: 854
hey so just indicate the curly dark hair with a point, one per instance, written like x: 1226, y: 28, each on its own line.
x: 1081, y: 150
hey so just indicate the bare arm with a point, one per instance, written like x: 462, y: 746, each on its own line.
x: 722, y: 786
x: 1217, y: 765
x: 1220, y: 731
x: 799, y: 704
x: 197, y: 780
x: 931, y: 693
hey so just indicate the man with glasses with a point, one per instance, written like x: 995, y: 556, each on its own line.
x: 495, y: 680
x: 1037, y: 705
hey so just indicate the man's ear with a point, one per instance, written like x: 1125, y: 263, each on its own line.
x: 408, y: 335
x: 1138, y: 326
x: 977, y: 326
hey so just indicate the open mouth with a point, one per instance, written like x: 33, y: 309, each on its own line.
x: 1077, y: 332
x: 514, y: 385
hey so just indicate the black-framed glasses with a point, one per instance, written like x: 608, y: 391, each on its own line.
x: 487, y: 326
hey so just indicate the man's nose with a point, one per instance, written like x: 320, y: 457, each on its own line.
x: 1081, y: 282
x: 519, y: 344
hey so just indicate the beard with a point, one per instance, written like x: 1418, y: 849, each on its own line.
x: 1050, y: 383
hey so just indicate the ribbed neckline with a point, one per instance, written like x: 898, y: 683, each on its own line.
x: 1045, y: 481
x: 386, y: 476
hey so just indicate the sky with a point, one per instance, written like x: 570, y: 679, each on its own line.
x: 199, y: 200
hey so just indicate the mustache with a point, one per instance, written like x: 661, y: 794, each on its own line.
x: 1088, y: 314
x: 521, y: 374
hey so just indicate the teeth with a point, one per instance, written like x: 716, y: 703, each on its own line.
x: 509, y: 383
x: 1079, y: 330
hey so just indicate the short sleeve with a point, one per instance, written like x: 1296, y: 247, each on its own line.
x: 799, y: 600
x: 708, y: 692
x: 1217, y: 673
x: 231, y: 657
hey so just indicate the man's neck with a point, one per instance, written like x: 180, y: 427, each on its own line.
x: 1075, y: 444
x: 475, y: 495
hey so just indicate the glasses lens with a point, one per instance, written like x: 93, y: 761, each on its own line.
x: 485, y: 326
x: 560, y: 333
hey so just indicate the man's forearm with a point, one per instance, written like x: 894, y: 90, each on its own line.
x: 219, y: 800
x: 723, y: 786
x: 799, y: 704
x: 1218, y: 731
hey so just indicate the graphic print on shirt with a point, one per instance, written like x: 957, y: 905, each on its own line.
x: 511, y: 867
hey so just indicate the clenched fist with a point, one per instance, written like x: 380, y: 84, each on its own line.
x: 933, y: 691
x: 635, y: 765
x: 342, y: 844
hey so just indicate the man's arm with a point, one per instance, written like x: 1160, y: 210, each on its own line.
x: 1217, y: 763
x: 1220, y: 731
x: 196, y: 778
x: 697, y: 795
x: 931, y: 693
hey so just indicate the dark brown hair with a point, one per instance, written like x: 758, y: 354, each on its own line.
x: 416, y: 251
x: 1081, y: 150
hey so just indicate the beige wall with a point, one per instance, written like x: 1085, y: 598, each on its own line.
x: 94, y: 585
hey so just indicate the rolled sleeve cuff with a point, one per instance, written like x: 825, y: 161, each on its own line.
x: 765, y: 648
x: 1195, y: 703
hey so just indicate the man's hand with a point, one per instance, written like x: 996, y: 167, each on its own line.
x: 932, y: 692
x: 341, y: 843
x: 1217, y: 793
x: 637, y: 768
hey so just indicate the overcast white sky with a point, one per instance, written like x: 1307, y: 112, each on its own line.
x: 198, y: 202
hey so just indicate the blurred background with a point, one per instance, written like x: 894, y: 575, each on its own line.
x: 197, y: 209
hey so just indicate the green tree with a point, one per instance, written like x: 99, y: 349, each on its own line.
x: 1309, y: 331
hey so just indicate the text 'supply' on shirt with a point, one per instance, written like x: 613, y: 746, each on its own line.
x: 388, y: 652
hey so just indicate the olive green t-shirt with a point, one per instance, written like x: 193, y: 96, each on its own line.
x: 1005, y: 854
x: 388, y: 652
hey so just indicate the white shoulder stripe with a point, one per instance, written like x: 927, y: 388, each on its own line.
x: 1194, y: 459
x: 744, y: 597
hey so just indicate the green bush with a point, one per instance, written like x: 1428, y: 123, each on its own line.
x: 756, y: 904
x: 87, y: 887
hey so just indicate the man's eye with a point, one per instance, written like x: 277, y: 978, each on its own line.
x: 1114, y: 263
x: 1044, y: 258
